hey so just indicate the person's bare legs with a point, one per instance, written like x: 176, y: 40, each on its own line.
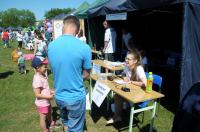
x: 43, y: 122
x: 49, y: 118
x: 65, y: 128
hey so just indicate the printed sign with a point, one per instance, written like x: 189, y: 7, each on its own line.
x: 117, y: 16
x: 99, y: 93
x: 57, y: 28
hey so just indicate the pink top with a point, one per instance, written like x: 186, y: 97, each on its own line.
x: 41, y: 82
x: 31, y: 56
x: 28, y: 56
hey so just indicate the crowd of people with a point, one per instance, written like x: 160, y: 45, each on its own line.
x: 25, y: 39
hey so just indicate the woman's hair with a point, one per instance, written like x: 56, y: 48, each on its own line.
x: 80, y: 34
x: 39, y: 34
x: 138, y: 58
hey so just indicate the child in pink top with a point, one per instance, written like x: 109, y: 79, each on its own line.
x: 43, y: 93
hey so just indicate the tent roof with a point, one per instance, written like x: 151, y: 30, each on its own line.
x: 82, y: 7
x: 116, y: 6
x: 83, y: 13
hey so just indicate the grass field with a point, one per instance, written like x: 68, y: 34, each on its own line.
x: 18, y: 113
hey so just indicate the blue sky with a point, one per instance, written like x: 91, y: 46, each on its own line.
x: 38, y: 7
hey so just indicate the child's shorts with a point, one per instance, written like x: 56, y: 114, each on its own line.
x: 43, y: 110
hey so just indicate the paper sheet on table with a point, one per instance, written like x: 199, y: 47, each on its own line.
x: 120, y: 81
x: 116, y: 63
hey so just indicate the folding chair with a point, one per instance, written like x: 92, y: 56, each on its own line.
x: 157, y: 80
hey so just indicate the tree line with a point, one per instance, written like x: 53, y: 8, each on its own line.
x: 25, y: 18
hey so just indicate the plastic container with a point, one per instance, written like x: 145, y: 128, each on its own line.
x: 149, y: 83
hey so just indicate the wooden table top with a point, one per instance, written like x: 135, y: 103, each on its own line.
x: 136, y: 94
x: 107, y: 64
x: 97, y: 52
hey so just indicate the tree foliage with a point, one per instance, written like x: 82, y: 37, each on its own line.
x: 56, y: 11
x: 17, y: 18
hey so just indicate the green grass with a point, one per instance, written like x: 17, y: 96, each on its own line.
x: 18, y: 112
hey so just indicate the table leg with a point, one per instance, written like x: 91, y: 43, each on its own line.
x: 153, y: 115
x: 90, y: 94
x: 131, y: 118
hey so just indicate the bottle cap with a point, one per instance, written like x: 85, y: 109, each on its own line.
x: 150, y: 72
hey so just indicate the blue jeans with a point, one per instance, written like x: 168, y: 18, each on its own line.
x: 73, y: 114
x: 5, y: 42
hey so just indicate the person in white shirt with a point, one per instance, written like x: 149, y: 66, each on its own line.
x: 134, y: 73
x: 109, y: 42
x: 19, y: 39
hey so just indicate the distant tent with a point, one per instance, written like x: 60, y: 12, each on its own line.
x: 60, y: 16
x: 9, y: 28
x: 1, y: 28
x: 19, y: 28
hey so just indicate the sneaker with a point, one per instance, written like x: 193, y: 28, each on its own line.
x: 114, y: 120
x: 110, y: 121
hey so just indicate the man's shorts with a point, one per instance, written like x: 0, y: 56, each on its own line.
x: 73, y: 114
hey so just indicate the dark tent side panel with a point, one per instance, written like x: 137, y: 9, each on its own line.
x: 190, y: 72
x: 96, y: 32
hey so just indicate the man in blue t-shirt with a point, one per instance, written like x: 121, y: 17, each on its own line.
x: 70, y: 61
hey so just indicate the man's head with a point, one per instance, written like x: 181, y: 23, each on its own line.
x: 106, y: 24
x: 71, y: 25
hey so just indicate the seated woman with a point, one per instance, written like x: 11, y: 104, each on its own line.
x: 134, y: 73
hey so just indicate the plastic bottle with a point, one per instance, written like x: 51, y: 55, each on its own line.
x: 149, y: 83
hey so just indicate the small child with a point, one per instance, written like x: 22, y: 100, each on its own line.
x: 43, y: 94
x: 21, y: 63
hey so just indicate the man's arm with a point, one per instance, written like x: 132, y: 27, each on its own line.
x: 105, y: 45
x: 86, y: 74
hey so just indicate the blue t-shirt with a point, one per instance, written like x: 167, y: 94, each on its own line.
x: 68, y: 56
